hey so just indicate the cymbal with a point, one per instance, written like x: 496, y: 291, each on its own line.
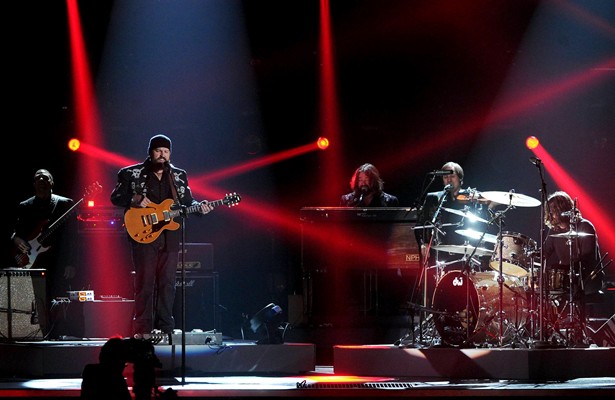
x: 471, y: 233
x: 465, y: 213
x: 463, y: 249
x: 511, y: 198
x: 571, y: 234
x: 475, y: 197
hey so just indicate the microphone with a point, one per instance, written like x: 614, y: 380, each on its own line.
x: 536, y: 161
x: 34, y: 317
x: 448, y: 187
x: 363, y: 192
x: 571, y: 213
x: 443, y: 172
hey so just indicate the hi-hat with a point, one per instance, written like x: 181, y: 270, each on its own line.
x: 511, y: 199
x: 471, y: 233
x: 571, y: 234
x: 463, y: 249
x: 465, y: 213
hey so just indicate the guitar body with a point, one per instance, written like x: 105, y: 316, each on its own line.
x: 144, y: 225
x: 26, y: 260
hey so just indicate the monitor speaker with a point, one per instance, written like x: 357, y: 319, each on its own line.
x: 23, y: 312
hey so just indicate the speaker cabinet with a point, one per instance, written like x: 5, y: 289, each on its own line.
x: 202, y: 298
x: 23, y: 312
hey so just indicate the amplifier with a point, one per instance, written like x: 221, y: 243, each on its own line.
x: 101, y: 219
x: 197, y: 257
x: 202, y: 299
x: 23, y: 311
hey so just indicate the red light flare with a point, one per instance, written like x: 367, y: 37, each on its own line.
x: 329, y: 107
x: 523, y: 100
x: 87, y: 123
x: 105, y: 157
x: 322, y: 143
x: 532, y: 142
x: 592, y: 211
x: 255, y: 164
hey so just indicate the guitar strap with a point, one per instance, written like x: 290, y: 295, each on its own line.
x: 173, y: 189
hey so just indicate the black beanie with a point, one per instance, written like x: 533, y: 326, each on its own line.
x: 158, y: 141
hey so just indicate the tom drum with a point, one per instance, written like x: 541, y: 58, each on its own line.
x: 516, y: 257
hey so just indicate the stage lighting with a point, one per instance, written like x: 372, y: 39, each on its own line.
x: 266, y: 322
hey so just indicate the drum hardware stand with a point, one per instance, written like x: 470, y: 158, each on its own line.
x: 427, y: 335
x: 498, y: 218
x: 576, y: 314
x: 435, y: 227
x: 517, y: 330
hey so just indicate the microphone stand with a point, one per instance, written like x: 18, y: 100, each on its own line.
x: 183, y: 291
x: 543, y: 267
x: 182, y: 215
x: 425, y: 253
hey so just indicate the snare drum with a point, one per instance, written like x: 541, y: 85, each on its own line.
x: 558, y: 280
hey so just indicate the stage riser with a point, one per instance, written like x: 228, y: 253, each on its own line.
x: 46, y: 359
x: 520, y: 364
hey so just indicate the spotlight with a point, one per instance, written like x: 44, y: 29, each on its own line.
x: 266, y: 323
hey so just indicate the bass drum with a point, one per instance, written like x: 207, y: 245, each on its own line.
x: 466, y: 308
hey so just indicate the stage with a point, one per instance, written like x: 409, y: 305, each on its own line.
x: 242, y: 369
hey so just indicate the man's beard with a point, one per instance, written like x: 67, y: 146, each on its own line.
x: 159, y: 164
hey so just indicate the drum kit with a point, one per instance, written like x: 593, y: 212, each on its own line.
x: 497, y: 307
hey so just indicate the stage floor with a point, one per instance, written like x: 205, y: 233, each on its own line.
x: 243, y: 369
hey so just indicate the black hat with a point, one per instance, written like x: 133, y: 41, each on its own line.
x: 159, y: 141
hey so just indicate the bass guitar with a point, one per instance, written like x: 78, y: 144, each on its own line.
x: 145, y: 224
x: 26, y: 260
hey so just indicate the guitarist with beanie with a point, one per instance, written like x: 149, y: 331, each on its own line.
x: 149, y: 187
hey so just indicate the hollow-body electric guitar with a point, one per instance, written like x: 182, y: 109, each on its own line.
x: 25, y: 260
x: 144, y: 225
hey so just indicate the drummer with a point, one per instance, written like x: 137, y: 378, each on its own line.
x: 566, y: 222
x: 462, y: 210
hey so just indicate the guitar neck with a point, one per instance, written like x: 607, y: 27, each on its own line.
x: 91, y: 190
x: 196, y: 207
x: 47, y: 232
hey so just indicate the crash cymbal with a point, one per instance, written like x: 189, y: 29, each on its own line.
x: 511, y: 199
x: 472, y: 197
x: 463, y: 249
x: 466, y: 214
x: 471, y: 233
x: 571, y: 234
